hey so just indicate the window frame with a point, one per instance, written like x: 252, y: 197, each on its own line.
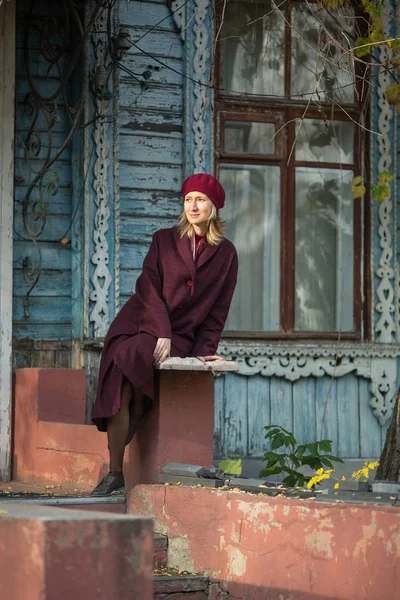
x: 228, y: 107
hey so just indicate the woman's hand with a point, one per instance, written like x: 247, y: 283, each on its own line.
x: 162, y: 350
x: 207, y: 358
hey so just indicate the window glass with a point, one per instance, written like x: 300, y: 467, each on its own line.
x: 252, y: 212
x: 320, y: 68
x: 247, y: 137
x: 324, y: 141
x: 253, y: 48
x: 324, y: 250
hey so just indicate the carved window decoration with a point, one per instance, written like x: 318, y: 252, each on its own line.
x: 287, y: 154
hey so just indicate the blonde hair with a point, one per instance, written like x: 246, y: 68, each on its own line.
x: 215, y: 227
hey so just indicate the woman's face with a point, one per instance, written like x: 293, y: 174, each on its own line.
x: 197, y: 207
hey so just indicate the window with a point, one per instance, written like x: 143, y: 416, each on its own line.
x: 287, y: 150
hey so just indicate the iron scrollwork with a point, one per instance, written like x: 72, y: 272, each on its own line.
x: 52, y: 46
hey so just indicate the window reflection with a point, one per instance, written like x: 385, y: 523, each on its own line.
x: 248, y: 137
x: 253, y: 225
x: 324, y: 260
x: 318, y: 63
x: 323, y: 141
x: 253, y: 48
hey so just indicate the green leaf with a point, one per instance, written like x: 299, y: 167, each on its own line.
x: 231, y: 466
x: 362, y: 46
x: 271, y: 456
x: 334, y: 458
x: 325, y: 461
x: 312, y: 461
x: 357, y: 187
x: 393, y: 94
x: 325, y: 445
x: 266, y: 472
x: 277, y: 442
x: 290, y: 480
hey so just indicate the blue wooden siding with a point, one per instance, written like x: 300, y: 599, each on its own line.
x: 151, y: 134
x: 50, y: 301
x: 244, y: 405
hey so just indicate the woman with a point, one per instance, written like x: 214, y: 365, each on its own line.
x: 179, y: 309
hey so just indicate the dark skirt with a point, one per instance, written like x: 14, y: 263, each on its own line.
x: 128, y: 354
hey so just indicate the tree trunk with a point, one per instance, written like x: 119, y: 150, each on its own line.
x: 389, y: 464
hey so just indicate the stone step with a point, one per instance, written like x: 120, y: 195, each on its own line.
x: 180, y: 587
x: 113, y: 504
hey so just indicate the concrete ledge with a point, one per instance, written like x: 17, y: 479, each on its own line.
x: 48, y: 553
x: 259, y: 547
x: 194, y: 364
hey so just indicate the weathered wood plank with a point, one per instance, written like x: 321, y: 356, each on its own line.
x: 151, y: 149
x: 43, y: 331
x: 24, y: 121
x: 281, y: 399
x: 45, y: 86
x: 304, y: 415
x: 55, y: 143
x: 62, y: 359
x: 348, y: 417
x: 133, y: 255
x: 170, y: 72
x: 59, y: 204
x: 7, y: 78
x: 43, y: 310
x: 91, y: 361
x: 54, y: 256
x: 370, y: 429
x: 21, y: 359
x: 139, y: 203
x: 219, y: 417
x: 24, y: 176
x: 235, y: 437
x: 162, y: 44
x: 133, y: 121
x: 53, y: 231
x: 150, y: 177
x: 146, y: 14
x: 43, y: 359
x: 326, y: 410
x: 128, y: 278
x: 157, y: 97
x: 141, y: 230
x: 259, y: 408
x: 51, y: 283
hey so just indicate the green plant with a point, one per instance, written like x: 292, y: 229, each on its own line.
x: 316, y: 455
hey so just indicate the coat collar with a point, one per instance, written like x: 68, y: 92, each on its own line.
x: 185, y: 250
x: 183, y: 245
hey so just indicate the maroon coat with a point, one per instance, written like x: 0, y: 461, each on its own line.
x: 175, y: 298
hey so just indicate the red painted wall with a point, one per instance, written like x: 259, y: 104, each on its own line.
x: 276, y: 548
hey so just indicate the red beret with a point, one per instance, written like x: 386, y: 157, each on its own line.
x: 207, y: 184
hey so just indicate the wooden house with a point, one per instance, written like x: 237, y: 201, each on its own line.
x: 106, y: 106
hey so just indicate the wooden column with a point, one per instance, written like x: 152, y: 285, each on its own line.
x: 7, y: 96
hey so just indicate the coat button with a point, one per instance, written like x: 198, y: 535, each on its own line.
x: 189, y: 283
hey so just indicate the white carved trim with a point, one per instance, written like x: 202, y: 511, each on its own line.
x: 101, y: 277
x: 178, y: 8
x: 396, y: 155
x: 7, y: 101
x: 375, y: 362
x: 117, y: 211
x: 325, y: 350
x: 201, y: 68
x: 385, y: 327
x: 87, y: 155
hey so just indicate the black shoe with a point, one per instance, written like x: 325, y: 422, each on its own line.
x: 113, y: 482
